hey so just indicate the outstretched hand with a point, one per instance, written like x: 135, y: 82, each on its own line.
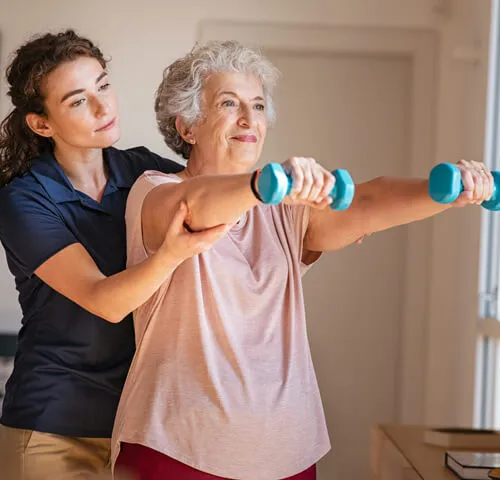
x: 311, y: 183
x: 477, y: 181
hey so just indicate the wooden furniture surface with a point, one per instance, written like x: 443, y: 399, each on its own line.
x: 398, y: 452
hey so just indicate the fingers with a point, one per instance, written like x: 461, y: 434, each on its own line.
x: 467, y: 180
x: 180, y: 243
x: 487, y: 180
x: 204, y: 239
x: 477, y: 181
x: 328, y: 184
x: 480, y: 183
x: 179, y: 219
x: 311, y: 183
x: 293, y: 168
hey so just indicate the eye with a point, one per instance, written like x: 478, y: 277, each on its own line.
x: 228, y: 103
x: 77, y: 103
x: 105, y: 86
x: 260, y: 106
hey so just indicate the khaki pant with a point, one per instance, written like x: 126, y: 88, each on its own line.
x: 32, y: 455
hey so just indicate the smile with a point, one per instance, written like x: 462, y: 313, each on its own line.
x: 107, y: 126
x: 245, y: 138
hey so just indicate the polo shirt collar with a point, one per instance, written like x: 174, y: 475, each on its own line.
x: 51, y: 176
x: 116, y: 166
x: 53, y: 179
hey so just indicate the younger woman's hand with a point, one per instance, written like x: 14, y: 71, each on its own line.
x: 180, y: 243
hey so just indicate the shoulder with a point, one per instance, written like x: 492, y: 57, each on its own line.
x: 148, y: 181
x: 135, y: 161
x: 21, y: 192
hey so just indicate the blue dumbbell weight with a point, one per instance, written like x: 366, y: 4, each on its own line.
x: 445, y: 185
x: 274, y: 184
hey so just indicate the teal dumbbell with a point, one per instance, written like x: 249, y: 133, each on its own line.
x: 274, y: 184
x: 445, y: 185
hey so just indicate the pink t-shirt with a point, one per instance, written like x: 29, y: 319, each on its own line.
x: 222, y: 379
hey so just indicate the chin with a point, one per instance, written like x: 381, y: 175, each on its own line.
x: 109, y: 138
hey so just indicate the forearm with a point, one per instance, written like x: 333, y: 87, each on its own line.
x: 114, y: 297
x: 386, y: 202
x: 379, y: 204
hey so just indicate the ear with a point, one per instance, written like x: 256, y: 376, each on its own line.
x: 39, y: 125
x: 184, y: 131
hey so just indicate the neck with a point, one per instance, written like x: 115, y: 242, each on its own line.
x: 199, y: 165
x: 84, y: 168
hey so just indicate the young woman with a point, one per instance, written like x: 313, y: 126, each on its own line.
x: 62, y: 203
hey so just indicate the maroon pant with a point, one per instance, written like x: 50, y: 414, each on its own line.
x: 147, y: 464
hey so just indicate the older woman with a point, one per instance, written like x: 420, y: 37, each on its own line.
x: 222, y: 384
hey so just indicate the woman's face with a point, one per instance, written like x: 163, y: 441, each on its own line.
x: 81, y: 106
x: 234, y: 123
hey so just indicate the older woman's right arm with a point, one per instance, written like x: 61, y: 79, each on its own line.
x: 211, y: 200
x: 220, y: 199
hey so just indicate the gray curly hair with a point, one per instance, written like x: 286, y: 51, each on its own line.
x: 179, y: 93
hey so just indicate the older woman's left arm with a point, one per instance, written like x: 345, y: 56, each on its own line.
x: 387, y: 202
x: 379, y: 204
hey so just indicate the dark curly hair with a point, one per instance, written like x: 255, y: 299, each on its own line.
x: 32, y: 62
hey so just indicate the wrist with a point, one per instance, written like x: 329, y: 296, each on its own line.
x: 254, y: 185
x: 165, y: 259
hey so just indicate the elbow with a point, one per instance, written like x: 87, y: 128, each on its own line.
x: 112, y: 313
x: 106, y: 314
x: 99, y: 303
x: 101, y: 306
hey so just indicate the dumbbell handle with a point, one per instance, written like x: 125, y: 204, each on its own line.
x: 274, y: 184
x: 445, y: 185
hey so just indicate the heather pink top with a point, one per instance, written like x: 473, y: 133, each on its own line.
x: 223, y: 379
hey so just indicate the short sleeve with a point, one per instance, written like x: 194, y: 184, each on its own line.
x: 31, y: 228
x: 136, y: 250
x: 297, y: 218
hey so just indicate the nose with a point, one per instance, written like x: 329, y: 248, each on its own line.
x: 101, y: 108
x: 248, y: 117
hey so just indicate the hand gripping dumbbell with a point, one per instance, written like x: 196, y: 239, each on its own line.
x: 445, y: 185
x: 274, y: 184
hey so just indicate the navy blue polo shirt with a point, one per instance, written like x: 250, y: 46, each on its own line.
x: 71, y: 365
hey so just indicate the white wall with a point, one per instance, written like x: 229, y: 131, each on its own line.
x: 143, y: 37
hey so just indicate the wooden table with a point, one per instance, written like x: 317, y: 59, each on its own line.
x: 398, y: 452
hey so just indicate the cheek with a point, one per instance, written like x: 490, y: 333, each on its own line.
x: 69, y: 122
x: 263, y: 132
x: 219, y: 130
x: 114, y: 101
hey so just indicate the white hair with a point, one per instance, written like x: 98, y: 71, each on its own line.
x: 179, y: 93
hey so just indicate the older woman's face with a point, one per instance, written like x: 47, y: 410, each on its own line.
x: 234, y: 122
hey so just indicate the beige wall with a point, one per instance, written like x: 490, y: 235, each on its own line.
x: 142, y: 37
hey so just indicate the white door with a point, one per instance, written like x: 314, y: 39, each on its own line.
x: 350, y: 112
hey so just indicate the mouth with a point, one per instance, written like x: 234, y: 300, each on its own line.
x: 245, y: 138
x: 108, y: 126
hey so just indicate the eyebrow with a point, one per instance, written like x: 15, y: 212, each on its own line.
x: 81, y: 90
x: 258, y: 98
